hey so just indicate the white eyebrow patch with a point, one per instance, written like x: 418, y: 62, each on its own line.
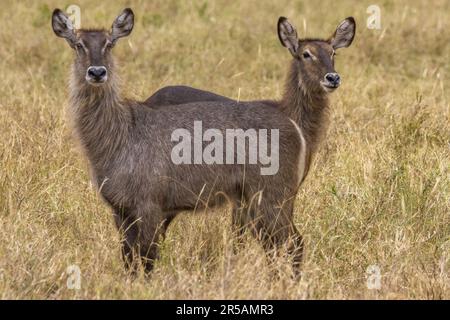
x: 107, y: 42
x: 312, y: 56
x: 84, y: 46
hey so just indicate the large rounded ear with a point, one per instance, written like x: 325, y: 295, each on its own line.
x: 123, y: 25
x: 344, y: 34
x: 288, y: 35
x: 63, y: 27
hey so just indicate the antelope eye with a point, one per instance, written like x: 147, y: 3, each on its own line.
x: 306, y: 55
x: 79, y: 46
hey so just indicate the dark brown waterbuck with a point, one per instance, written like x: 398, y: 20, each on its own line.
x: 129, y: 144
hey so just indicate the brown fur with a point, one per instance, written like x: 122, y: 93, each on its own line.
x: 308, y: 109
x: 128, y: 148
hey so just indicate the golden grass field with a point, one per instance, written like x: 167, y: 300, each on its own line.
x: 378, y: 193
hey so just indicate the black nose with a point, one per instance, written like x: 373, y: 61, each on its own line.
x: 333, y: 78
x: 97, y: 73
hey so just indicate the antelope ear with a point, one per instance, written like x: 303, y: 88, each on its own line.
x: 123, y: 25
x: 63, y: 27
x: 288, y: 35
x: 344, y: 34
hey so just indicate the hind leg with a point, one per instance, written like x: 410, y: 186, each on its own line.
x: 238, y: 218
x: 239, y: 223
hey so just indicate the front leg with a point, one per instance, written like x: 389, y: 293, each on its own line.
x: 126, y: 224
x: 143, y: 228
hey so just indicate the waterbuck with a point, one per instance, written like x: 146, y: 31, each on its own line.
x: 311, y: 77
x: 129, y: 145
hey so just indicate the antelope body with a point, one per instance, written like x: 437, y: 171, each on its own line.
x: 128, y: 143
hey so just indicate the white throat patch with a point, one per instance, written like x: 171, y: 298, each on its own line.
x: 302, y: 157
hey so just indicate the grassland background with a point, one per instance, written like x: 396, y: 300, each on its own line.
x: 378, y: 192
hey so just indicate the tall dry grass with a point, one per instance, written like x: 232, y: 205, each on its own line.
x: 378, y: 192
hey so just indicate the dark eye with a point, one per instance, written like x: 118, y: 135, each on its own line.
x: 306, y: 55
x: 109, y: 45
x: 79, y: 46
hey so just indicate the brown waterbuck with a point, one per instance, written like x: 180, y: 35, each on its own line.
x: 311, y: 76
x: 129, y: 145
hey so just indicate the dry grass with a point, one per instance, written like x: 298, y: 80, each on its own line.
x: 378, y: 193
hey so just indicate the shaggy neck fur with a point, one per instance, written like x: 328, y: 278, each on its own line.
x: 100, y: 117
x: 308, y: 109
